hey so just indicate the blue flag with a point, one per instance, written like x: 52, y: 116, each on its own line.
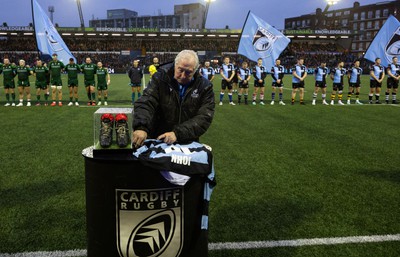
x: 386, y: 43
x: 261, y: 40
x: 48, y: 40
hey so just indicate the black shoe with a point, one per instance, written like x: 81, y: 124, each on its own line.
x: 122, y: 130
x: 394, y: 102
x: 377, y: 102
x: 106, y: 129
x: 302, y: 103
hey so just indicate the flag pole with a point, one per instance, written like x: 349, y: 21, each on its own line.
x: 241, y: 33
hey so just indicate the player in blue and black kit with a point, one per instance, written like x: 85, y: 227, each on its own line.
x: 337, y: 75
x: 259, y: 73
x: 354, y: 75
x: 320, y: 83
x: 377, y: 74
x: 227, y: 72
x: 277, y: 72
x: 207, y: 71
x: 393, y: 72
x: 299, y: 73
x: 244, y: 75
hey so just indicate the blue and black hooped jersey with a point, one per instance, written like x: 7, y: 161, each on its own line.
x: 320, y: 74
x: 300, y: 70
x: 378, y: 71
x: 189, y: 159
x: 277, y: 72
x: 227, y: 70
x: 355, y: 74
x: 207, y: 73
x: 244, y: 73
x: 259, y: 72
x: 338, y: 74
x: 394, y: 69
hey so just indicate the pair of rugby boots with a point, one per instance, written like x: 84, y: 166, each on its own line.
x: 108, y: 122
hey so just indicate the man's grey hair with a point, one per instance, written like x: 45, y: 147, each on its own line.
x: 188, y: 55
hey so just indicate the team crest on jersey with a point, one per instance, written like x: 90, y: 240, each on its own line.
x: 195, y: 93
x: 393, y: 47
x: 263, y: 42
x: 149, y: 222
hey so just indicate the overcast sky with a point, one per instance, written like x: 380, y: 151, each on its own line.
x: 221, y: 12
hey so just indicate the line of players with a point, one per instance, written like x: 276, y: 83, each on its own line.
x: 50, y: 74
x: 231, y: 76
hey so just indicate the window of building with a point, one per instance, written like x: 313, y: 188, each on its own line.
x: 369, y: 25
x: 377, y: 13
x: 370, y: 14
x: 338, y: 14
x: 361, y: 37
x: 353, y: 46
x: 293, y: 24
x: 376, y: 25
x: 345, y: 22
x: 355, y: 26
x: 362, y: 25
x: 385, y: 12
x: 355, y: 16
x: 362, y: 16
x: 308, y: 22
x: 329, y: 14
x: 368, y: 35
x: 298, y: 23
x: 303, y: 23
x: 346, y: 12
x: 367, y: 44
x: 360, y: 46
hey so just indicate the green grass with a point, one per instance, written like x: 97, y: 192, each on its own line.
x: 284, y: 172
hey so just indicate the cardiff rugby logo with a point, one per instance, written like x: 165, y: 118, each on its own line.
x: 149, y: 222
x: 393, y: 46
x: 263, y: 42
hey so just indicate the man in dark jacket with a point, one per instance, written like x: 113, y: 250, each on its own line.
x: 177, y: 106
x: 135, y: 74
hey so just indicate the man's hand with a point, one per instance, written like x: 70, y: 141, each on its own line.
x: 138, y: 138
x: 168, y: 137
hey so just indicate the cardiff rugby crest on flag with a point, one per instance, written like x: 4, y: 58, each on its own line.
x: 393, y: 46
x: 149, y: 222
x: 388, y: 36
x: 263, y: 42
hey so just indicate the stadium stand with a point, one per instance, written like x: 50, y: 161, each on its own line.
x: 108, y: 50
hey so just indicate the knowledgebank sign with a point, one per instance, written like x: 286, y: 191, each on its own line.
x: 149, y: 222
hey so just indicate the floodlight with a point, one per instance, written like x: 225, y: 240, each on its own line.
x: 332, y: 2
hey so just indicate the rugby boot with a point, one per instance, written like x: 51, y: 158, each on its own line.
x: 106, y: 129
x: 122, y: 130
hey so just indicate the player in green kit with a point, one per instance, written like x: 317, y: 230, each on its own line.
x: 55, y: 68
x: 40, y: 73
x: 72, y: 70
x: 103, y: 81
x: 23, y: 73
x: 89, y: 70
x: 9, y: 72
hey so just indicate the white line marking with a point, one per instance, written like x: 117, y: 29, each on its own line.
x: 70, y: 253
x: 240, y: 245
x: 304, y: 242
